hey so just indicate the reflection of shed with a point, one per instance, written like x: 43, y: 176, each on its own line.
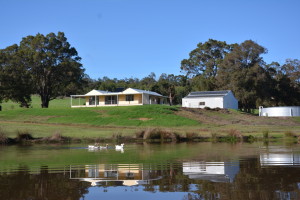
x: 273, y: 156
x: 131, y: 174
x: 212, y: 171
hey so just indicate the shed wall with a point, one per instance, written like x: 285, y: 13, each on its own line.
x: 213, y: 102
x: 230, y: 101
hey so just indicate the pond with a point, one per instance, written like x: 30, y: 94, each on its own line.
x: 182, y: 171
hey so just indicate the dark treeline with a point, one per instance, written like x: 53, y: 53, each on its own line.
x: 49, y: 66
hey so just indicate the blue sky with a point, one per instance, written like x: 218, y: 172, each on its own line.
x: 132, y: 38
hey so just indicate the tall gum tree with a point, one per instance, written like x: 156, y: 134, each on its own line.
x: 205, y: 59
x: 15, y: 78
x: 53, y: 64
x: 243, y: 72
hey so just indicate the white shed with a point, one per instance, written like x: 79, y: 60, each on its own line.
x: 211, y: 99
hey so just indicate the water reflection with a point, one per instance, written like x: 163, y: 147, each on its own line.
x: 211, y: 171
x: 107, y: 149
x: 102, y: 174
x: 271, y: 172
x: 278, y: 155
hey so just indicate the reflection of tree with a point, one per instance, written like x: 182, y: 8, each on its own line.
x: 173, y: 179
x: 54, y: 186
x: 255, y: 182
x: 252, y: 182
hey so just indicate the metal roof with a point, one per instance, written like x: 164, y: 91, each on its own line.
x: 208, y: 94
x: 127, y: 91
x: 145, y: 91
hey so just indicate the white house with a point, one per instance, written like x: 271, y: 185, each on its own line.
x: 211, y: 99
x: 128, y: 97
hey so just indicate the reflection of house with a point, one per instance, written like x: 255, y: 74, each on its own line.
x: 127, y: 97
x: 131, y: 174
x: 212, y: 171
x: 211, y: 99
x: 272, y: 156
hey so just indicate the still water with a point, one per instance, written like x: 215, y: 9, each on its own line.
x: 151, y: 171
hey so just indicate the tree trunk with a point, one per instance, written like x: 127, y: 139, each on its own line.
x: 24, y: 105
x: 45, y: 101
x: 171, y: 99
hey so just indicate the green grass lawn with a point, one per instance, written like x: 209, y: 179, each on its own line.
x: 127, y: 120
x: 147, y: 115
x: 90, y: 122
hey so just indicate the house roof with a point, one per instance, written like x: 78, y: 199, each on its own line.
x: 96, y: 92
x: 208, y: 94
x: 138, y: 91
x: 127, y: 91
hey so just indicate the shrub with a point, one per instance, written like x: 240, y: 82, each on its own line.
x: 3, y: 137
x: 249, y: 138
x: 234, y: 135
x: 150, y: 133
x: 265, y: 134
x: 217, y: 109
x: 56, y: 137
x: 191, y: 136
x: 23, y: 136
x: 289, y: 134
x: 157, y: 133
x: 140, y: 134
x: 117, y: 136
x: 214, y: 136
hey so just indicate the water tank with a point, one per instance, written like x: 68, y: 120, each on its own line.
x: 285, y: 111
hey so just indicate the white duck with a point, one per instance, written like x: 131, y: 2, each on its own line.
x: 120, y: 146
x: 104, y: 147
x: 96, y: 146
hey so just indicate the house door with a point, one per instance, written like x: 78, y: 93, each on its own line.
x: 110, y: 100
x: 93, y: 101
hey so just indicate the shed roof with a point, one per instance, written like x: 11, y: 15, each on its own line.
x: 208, y: 94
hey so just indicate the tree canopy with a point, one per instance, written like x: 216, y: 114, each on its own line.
x: 46, y: 65
x: 15, y: 78
x: 205, y: 59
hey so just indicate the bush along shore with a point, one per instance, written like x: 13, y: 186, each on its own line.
x: 147, y: 135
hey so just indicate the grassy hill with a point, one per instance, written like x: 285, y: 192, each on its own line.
x: 108, y: 121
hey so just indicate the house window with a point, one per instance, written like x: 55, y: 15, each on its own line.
x: 94, y: 100
x: 110, y: 100
x: 202, y: 103
x: 129, y: 97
